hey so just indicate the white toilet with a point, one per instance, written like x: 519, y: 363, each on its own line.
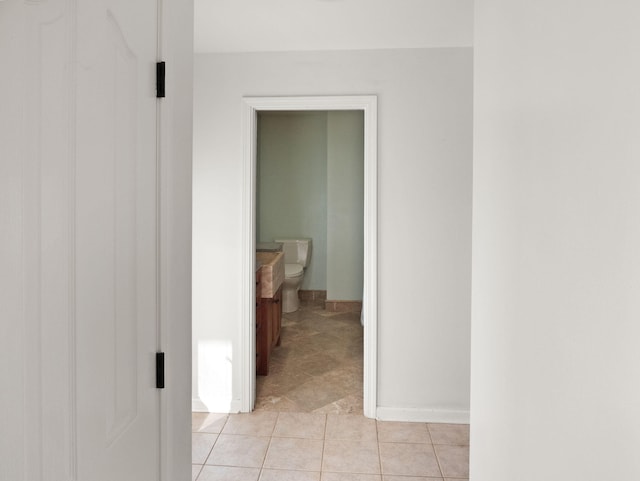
x: 297, y: 253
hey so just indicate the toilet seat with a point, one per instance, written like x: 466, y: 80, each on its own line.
x: 292, y: 270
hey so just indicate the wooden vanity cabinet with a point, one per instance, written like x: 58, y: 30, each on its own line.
x: 262, y: 344
x: 268, y: 327
x: 276, y: 318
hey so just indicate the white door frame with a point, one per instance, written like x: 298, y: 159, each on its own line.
x: 250, y: 108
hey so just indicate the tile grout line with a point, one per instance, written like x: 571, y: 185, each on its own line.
x: 379, y: 453
x: 214, y: 444
x: 435, y: 453
x: 210, y: 451
x: 324, y: 441
x: 264, y: 458
x: 426, y: 425
x: 199, y: 471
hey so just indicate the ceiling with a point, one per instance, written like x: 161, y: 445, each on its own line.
x: 285, y: 25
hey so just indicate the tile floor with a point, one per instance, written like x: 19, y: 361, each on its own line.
x: 318, y: 366
x: 308, y: 423
x: 287, y: 446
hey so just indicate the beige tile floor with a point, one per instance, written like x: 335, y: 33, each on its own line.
x: 308, y: 423
x: 318, y: 366
x: 286, y: 446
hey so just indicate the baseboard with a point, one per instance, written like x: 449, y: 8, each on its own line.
x: 422, y: 415
x: 343, y: 306
x: 218, y: 406
x: 308, y: 295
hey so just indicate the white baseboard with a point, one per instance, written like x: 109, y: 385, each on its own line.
x: 422, y: 415
x: 219, y: 406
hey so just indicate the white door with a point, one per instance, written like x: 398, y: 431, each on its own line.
x: 79, y: 250
x: 116, y: 241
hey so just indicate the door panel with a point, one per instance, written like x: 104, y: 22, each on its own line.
x: 122, y: 337
x: 116, y: 256
x: 37, y: 325
x: 78, y: 241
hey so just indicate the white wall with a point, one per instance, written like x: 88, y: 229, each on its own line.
x: 292, y: 25
x: 556, y: 258
x: 424, y: 148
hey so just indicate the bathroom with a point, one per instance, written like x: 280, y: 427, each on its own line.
x: 310, y: 184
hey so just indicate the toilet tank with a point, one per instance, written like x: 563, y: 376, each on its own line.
x: 296, y: 251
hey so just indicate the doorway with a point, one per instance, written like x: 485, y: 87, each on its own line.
x: 310, y: 184
x: 251, y: 107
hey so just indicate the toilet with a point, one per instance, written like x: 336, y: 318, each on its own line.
x: 297, y: 253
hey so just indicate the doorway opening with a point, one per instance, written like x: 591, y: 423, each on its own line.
x: 251, y: 107
x: 310, y: 187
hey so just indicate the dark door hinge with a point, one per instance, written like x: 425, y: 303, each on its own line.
x: 160, y: 73
x: 160, y: 370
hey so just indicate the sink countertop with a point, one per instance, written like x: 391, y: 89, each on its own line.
x: 272, y: 274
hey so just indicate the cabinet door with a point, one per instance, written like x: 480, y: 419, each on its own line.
x: 262, y: 367
x: 276, y: 318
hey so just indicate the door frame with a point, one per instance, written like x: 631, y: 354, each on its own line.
x: 250, y: 108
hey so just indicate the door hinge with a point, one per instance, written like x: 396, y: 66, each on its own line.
x: 160, y: 370
x: 160, y: 71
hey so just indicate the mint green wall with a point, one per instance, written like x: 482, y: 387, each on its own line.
x: 292, y: 184
x: 310, y: 183
x: 345, y: 205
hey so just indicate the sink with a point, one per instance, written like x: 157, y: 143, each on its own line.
x: 269, y: 246
x: 272, y: 272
